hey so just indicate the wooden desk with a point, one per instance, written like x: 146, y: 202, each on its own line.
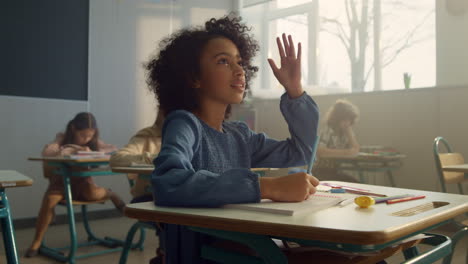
x: 367, y: 162
x: 68, y: 167
x: 10, y: 179
x: 456, y: 168
x: 344, y: 228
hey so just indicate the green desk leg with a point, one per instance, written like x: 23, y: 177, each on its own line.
x: 139, y: 225
x: 7, y: 229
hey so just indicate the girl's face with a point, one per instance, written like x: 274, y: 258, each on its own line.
x: 82, y: 137
x: 345, y: 124
x: 222, y: 78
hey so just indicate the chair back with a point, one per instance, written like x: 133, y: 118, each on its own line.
x: 445, y: 159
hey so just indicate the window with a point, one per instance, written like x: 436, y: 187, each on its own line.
x: 348, y: 46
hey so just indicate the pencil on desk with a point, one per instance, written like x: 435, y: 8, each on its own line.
x: 405, y: 199
x: 312, y: 157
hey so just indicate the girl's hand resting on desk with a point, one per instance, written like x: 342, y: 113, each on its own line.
x: 289, y: 75
x: 295, y: 187
x: 85, y: 148
x: 67, y: 151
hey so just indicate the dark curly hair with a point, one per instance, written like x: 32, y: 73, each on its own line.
x: 172, y: 72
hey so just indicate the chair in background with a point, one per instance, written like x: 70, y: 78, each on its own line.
x: 445, y: 159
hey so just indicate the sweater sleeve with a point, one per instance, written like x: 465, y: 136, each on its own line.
x: 54, y: 148
x: 301, y: 115
x: 131, y: 153
x: 176, y: 183
x: 107, y: 148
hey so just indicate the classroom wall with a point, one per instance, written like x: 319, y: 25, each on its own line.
x: 122, y: 35
x: 408, y: 120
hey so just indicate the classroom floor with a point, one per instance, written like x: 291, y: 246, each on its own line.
x: 118, y: 227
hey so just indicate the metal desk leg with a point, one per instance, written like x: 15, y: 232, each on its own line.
x: 390, y: 178
x: 71, y: 217
x: 8, y: 230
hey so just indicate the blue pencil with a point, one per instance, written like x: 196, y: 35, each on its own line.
x: 312, y: 157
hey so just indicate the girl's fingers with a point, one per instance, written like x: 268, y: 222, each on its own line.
x: 286, y: 45
x: 292, y: 51
x: 280, y: 48
x: 273, y: 66
x: 299, y: 51
x: 314, y: 181
x: 310, y: 188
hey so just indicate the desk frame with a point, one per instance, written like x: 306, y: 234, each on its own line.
x: 6, y: 222
x: 64, y: 168
x: 385, y: 163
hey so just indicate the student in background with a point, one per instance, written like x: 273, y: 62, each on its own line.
x: 337, y: 139
x: 142, y: 148
x: 205, y: 160
x: 81, y: 134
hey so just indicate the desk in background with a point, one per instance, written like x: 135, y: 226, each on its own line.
x: 78, y: 167
x: 367, y: 162
x: 10, y: 179
x: 346, y: 228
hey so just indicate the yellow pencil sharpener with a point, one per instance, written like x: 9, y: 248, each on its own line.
x: 364, y: 201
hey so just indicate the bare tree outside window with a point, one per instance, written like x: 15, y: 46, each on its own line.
x: 351, y: 45
x: 360, y: 30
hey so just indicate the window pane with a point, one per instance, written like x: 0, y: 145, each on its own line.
x: 289, y: 3
x: 343, y: 66
x: 408, y: 43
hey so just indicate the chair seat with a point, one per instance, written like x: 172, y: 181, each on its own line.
x: 454, y: 177
x: 76, y: 202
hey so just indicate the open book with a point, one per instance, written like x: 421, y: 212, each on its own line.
x: 90, y: 155
x: 314, y: 203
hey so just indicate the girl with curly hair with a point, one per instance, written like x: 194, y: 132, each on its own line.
x: 205, y: 161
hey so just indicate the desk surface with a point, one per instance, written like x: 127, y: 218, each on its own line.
x: 11, y: 178
x: 368, y: 157
x: 149, y: 169
x: 348, y: 224
x: 456, y: 168
x: 68, y: 160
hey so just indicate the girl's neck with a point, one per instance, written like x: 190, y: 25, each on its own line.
x: 212, y: 116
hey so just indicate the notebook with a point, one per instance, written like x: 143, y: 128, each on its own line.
x: 315, y: 203
x: 89, y: 155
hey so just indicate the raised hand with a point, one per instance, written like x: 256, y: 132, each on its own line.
x: 289, y: 75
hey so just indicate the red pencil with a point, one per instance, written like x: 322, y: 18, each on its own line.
x: 405, y: 199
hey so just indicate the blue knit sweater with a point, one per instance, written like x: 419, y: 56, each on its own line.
x: 199, y: 166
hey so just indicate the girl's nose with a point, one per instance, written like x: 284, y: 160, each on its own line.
x: 239, y: 70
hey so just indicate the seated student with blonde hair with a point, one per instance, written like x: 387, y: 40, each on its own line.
x: 337, y: 139
x: 142, y: 148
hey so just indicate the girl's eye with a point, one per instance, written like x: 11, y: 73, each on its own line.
x: 223, y: 61
x: 240, y: 63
